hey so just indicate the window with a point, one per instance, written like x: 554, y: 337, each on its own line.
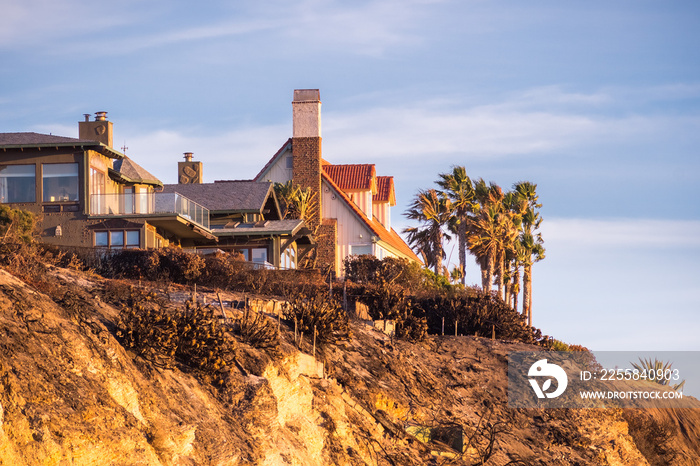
x: 97, y: 189
x: 118, y: 239
x: 128, y: 199
x: 258, y: 255
x: 288, y: 259
x: 361, y: 249
x: 60, y: 182
x: 290, y: 162
x: 102, y: 239
x: 17, y: 183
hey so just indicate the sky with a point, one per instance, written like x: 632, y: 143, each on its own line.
x: 596, y: 102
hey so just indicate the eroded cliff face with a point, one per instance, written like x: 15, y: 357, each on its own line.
x: 71, y: 394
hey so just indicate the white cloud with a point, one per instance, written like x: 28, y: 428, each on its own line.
x: 597, y: 234
x: 238, y: 154
x: 421, y: 128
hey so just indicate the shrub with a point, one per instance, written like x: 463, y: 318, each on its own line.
x: 389, y: 301
x: 479, y: 314
x: 256, y: 330
x: 317, y: 309
x: 192, y: 336
x: 17, y: 224
x: 367, y: 269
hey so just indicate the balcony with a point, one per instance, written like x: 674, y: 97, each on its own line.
x: 149, y: 205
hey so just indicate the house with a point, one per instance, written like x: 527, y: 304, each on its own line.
x: 87, y: 194
x: 245, y: 218
x: 354, y: 214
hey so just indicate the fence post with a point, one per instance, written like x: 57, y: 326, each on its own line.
x: 443, y: 327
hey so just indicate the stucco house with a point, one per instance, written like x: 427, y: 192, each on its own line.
x: 87, y: 194
x: 355, y: 204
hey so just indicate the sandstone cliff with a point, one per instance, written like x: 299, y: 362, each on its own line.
x: 71, y: 394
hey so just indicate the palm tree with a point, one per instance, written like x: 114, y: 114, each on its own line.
x: 458, y: 188
x: 433, y: 209
x: 491, y: 232
x: 294, y: 201
x: 530, y: 240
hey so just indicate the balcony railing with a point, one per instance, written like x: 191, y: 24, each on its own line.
x: 148, y: 204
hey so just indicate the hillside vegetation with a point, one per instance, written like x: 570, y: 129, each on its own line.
x: 122, y: 370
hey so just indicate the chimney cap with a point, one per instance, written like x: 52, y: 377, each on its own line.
x: 307, y: 95
x: 188, y: 156
x: 100, y: 116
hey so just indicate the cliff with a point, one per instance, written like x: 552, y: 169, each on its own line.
x: 72, y: 394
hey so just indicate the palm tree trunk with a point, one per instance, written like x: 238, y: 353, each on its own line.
x: 516, y: 287
x: 527, y: 293
x: 488, y: 279
x: 499, y: 275
x: 462, y: 241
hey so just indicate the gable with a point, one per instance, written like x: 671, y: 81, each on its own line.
x: 276, y: 169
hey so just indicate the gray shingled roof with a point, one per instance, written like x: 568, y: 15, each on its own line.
x: 287, y: 226
x: 134, y: 172
x: 240, y: 196
x: 37, y: 139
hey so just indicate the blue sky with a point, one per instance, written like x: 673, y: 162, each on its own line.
x: 597, y: 102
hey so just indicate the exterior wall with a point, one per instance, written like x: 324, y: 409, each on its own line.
x: 351, y: 231
x: 71, y: 216
x: 279, y: 172
x: 382, y: 210
x: 363, y: 200
x: 382, y: 253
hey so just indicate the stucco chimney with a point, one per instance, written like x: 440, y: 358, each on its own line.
x: 306, y: 109
x: 99, y: 130
x: 189, y: 172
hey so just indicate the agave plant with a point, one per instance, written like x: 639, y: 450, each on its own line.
x: 658, y: 372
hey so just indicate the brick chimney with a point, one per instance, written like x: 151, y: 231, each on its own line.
x: 99, y: 130
x: 306, y: 145
x: 189, y: 172
x: 306, y: 171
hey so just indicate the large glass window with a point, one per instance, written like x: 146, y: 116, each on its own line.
x: 17, y: 183
x: 128, y: 199
x: 259, y: 255
x: 97, y: 190
x: 118, y: 239
x: 60, y: 182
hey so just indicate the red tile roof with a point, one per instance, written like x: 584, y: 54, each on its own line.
x: 353, y: 177
x: 389, y: 237
x: 385, y: 190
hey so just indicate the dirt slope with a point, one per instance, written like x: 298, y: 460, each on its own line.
x: 71, y: 394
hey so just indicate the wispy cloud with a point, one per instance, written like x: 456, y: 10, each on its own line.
x: 528, y: 123
x: 364, y: 28
x: 627, y: 233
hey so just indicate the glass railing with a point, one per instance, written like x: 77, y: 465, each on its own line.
x: 149, y: 203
